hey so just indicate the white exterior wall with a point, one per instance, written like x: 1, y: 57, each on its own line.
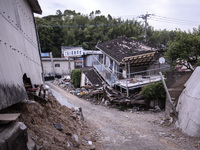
x: 188, y: 106
x: 89, y: 59
x: 64, y: 68
x: 19, y: 53
x: 83, y: 79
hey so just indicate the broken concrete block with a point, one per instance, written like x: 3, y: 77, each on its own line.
x: 31, y: 145
x: 58, y: 126
x: 92, y: 147
x: 13, y: 136
x: 75, y: 137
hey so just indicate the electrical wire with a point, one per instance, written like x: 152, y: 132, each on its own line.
x: 88, y: 25
x: 133, y: 21
x: 174, y: 21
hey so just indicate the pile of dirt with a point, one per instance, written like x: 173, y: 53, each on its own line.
x: 55, y: 127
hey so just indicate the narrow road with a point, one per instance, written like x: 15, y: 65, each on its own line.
x: 129, y: 131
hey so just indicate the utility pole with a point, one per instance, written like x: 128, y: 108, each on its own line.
x: 145, y: 17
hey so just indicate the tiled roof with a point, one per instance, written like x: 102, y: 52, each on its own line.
x: 139, y: 60
x: 123, y: 47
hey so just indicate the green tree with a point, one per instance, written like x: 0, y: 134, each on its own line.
x: 154, y: 91
x: 183, y: 48
x: 76, y: 77
x: 75, y: 29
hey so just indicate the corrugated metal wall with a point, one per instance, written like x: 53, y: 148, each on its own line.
x: 19, y: 52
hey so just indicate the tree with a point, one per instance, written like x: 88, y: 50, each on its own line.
x: 150, y: 92
x: 76, y: 77
x: 75, y: 29
x: 183, y: 48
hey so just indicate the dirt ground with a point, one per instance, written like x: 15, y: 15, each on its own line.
x: 53, y: 126
x: 140, y: 130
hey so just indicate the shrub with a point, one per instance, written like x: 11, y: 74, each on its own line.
x: 154, y: 91
x: 76, y: 77
x: 197, y: 63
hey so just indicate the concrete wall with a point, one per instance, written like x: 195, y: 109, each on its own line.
x: 188, y: 106
x: 19, y: 53
x: 62, y: 70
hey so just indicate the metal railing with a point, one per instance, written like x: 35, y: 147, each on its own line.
x: 113, y: 78
x: 105, y: 73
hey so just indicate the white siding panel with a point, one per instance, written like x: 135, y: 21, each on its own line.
x: 19, y: 52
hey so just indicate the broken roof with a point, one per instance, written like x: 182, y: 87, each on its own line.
x: 139, y: 60
x: 124, y: 47
x: 92, y: 76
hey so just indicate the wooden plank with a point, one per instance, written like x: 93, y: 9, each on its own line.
x: 9, y: 117
x: 168, y: 95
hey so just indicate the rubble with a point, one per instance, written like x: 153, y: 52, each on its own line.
x: 104, y: 95
x: 53, y: 126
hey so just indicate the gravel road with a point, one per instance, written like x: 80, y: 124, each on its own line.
x: 120, y: 130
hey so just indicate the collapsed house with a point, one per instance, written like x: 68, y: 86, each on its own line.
x: 128, y: 64
x: 188, y: 106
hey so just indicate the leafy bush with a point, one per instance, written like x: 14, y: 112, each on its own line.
x: 154, y: 91
x: 197, y: 63
x: 76, y: 77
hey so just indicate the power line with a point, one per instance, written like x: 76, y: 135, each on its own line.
x: 174, y: 21
x: 133, y: 21
x: 88, y: 25
x: 171, y: 22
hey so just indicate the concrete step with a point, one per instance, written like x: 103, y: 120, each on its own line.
x: 13, y: 136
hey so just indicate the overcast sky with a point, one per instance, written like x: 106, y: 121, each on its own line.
x: 168, y: 14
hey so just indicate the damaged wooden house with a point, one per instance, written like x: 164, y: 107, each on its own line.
x: 128, y: 64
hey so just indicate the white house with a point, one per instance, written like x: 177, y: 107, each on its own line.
x: 60, y: 66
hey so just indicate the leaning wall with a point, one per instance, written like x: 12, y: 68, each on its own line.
x: 188, y: 106
x: 19, y: 52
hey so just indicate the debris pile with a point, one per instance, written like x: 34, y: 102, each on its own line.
x: 52, y: 126
x: 104, y: 95
x: 87, y: 92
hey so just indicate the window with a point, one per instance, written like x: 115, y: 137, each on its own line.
x: 57, y: 65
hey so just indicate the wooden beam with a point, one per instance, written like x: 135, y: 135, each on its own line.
x: 168, y: 95
x: 9, y: 117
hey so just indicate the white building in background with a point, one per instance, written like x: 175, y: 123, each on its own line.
x: 82, y: 58
x: 60, y: 66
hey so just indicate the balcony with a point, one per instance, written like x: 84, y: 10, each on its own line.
x: 133, y: 80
